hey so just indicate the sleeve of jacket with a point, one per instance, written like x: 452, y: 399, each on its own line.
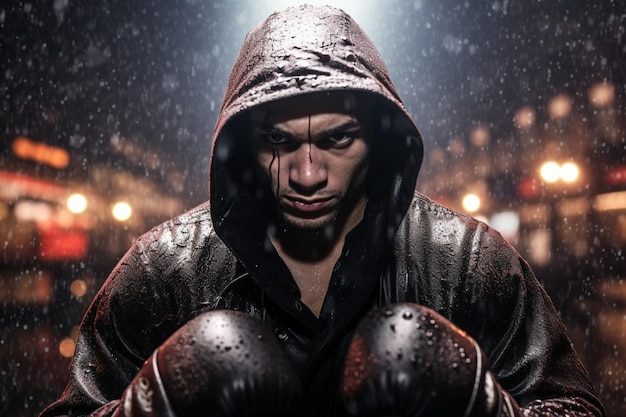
x: 132, y: 314
x: 521, y: 331
x: 469, y: 273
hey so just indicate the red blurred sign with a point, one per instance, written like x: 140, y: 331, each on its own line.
x: 62, y: 244
x: 528, y: 187
x: 616, y: 176
x: 14, y: 185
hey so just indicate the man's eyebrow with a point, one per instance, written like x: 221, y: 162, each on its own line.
x: 342, y: 128
x: 268, y: 128
x: 349, y: 125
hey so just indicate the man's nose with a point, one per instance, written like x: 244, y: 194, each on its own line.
x: 308, y: 170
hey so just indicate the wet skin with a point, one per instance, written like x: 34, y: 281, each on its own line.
x: 315, y: 153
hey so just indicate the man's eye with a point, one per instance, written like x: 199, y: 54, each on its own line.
x: 339, y: 140
x: 273, y: 138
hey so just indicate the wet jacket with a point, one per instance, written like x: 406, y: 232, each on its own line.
x: 406, y: 248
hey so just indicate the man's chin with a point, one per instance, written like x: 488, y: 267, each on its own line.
x: 308, y: 224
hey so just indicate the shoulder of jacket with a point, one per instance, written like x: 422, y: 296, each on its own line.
x: 434, y: 222
x: 185, y: 244
x: 424, y: 203
x: 449, y: 247
x: 181, y: 253
x: 425, y: 208
x: 182, y: 230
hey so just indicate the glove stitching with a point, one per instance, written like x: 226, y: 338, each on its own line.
x: 479, y: 371
x: 168, y: 412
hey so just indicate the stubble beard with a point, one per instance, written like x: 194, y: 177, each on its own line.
x: 324, y: 226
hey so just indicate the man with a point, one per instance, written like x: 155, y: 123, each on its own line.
x: 315, y: 281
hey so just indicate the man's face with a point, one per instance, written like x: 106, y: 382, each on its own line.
x: 315, y: 153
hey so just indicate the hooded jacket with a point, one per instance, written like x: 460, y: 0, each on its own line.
x: 406, y: 248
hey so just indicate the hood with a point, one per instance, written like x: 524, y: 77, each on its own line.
x: 301, y: 50
x: 307, y: 50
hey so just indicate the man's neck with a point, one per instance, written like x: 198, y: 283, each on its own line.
x: 315, y: 245
x: 311, y: 255
x: 306, y: 246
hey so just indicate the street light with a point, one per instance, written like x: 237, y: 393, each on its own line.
x: 471, y: 203
x: 76, y: 203
x: 560, y: 178
x: 552, y: 171
x: 569, y: 172
x: 122, y: 211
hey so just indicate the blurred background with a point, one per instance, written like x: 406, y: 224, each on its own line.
x: 107, y: 111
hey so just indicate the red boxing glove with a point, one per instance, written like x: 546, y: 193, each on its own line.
x: 407, y: 360
x: 222, y: 363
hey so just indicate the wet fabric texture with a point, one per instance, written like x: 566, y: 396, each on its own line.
x: 407, y: 248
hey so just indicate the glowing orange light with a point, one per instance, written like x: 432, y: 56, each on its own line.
x: 67, y: 347
x: 40, y: 152
x: 78, y: 288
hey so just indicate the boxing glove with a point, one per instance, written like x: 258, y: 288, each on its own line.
x: 407, y: 360
x: 222, y: 363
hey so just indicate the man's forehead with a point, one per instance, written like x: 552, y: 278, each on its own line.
x: 306, y: 105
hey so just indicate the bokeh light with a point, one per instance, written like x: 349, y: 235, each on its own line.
x: 77, y: 203
x: 471, y: 203
x: 67, y: 347
x: 122, y: 211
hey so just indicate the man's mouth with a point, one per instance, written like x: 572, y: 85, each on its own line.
x: 308, y: 206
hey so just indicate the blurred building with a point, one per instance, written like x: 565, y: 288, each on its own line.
x: 64, y: 223
x: 555, y: 187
